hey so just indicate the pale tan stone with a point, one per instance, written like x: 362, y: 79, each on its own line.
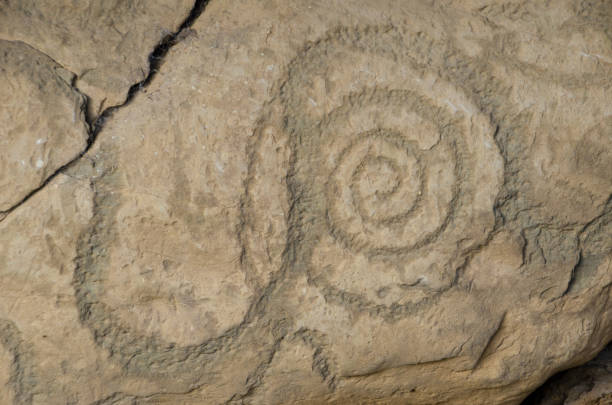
x: 42, y: 124
x: 7, y: 358
x: 106, y: 44
x: 345, y: 202
x: 299, y: 370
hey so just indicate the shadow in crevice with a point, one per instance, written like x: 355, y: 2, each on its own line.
x: 577, y: 385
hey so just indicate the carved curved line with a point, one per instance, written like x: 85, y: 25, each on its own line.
x: 22, y: 377
x: 137, y: 352
x: 302, y: 130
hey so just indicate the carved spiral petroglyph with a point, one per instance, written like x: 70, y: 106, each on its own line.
x: 382, y: 189
x: 365, y: 171
x: 395, y: 169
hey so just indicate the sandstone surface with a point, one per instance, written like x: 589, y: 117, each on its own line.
x: 344, y: 202
x: 106, y: 44
x: 42, y: 125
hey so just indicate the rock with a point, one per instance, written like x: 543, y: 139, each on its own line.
x: 339, y: 202
x: 16, y: 366
x: 590, y: 384
x: 42, y: 124
x: 51, y: 358
x: 105, y: 44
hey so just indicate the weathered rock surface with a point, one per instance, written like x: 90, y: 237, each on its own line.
x: 590, y: 384
x: 329, y: 202
x: 42, y: 124
x: 105, y: 43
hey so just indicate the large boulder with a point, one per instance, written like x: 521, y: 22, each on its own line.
x: 329, y: 202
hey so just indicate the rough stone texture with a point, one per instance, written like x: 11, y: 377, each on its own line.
x: 42, y: 124
x: 105, y: 43
x: 347, y: 202
x: 590, y: 384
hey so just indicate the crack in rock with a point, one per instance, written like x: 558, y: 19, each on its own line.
x: 156, y: 59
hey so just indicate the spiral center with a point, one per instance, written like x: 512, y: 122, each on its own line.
x: 383, y: 177
x: 378, y: 177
